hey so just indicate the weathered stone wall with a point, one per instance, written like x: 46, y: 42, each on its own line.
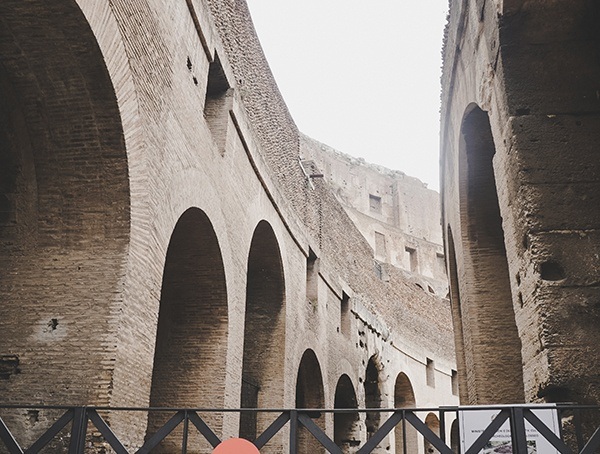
x: 148, y: 165
x: 396, y: 213
x: 520, y: 128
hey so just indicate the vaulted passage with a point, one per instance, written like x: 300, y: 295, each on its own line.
x: 310, y: 394
x: 372, y: 398
x: 64, y: 206
x: 404, y: 397
x: 346, y: 426
x: 264, y: 329
x: 191, y: 341
x: 493, y: 350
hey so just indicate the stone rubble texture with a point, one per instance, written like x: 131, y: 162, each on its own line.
x: 519, y: 143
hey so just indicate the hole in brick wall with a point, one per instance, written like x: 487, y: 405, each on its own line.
x: 9, y: 365
x: 551, y: 271
x: 431, y: 290
x: 520, y: 297
x: 195, y: 81
x: 189, y: 64
x: 518, y: 278
x: 33, y: 416
x: 52, y: 324
x: 525, y: 241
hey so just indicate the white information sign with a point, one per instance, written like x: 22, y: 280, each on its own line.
x: 472, y: 423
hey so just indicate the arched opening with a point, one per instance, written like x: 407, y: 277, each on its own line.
x: 494, y: 345
x: 346, y: 426
x: 191, y: 340
x: 433, y: 423
x: 454, y: 436
x: 264, y: 329
x: 310, y: 394
x: 64, y: 208
x: 457, y: 317
x: 372, y: 397
x: 404, y: 397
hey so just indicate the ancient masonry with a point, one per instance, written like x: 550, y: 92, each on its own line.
x: 396, y: 213
x: 164, y: 244
x: 521, y: 185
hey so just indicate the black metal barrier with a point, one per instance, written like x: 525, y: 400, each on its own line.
x: 77, y: 421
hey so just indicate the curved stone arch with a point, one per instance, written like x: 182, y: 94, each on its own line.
x: 310, y: 393
x: 433, y: 423
x: 457, y: 314
x: 404, y: 397
x: 264, y: 328
x: 191, y: 340
x: 493, y: 348
x: 346, y: 426
x: 65, y: 233
x: 373, y: 393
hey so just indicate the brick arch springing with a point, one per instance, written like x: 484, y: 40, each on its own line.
x: 493, y: 349
x: 191, y: 339
x: 346, y: 426
x: 310, y: 394
x: 264, y: 329
x: 64, y: 228
x: 404, y: 397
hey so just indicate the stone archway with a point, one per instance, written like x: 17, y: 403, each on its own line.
x: 310, y: 394
x: 64, y: 207
x: 493, y: 348
x: 264, y: 330
x: 191, y: 339
x: 346, y: 426
x: 433, y: 423
x: 404, y: 397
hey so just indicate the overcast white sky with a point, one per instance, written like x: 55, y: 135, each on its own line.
x: 361, y: 76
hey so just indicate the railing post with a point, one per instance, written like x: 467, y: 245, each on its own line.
x: 293, y: 432
x: 404, y: 445
x: 518, y: 434
x: 78, y: 431
x: 184, y: 441
x: 442, y: 417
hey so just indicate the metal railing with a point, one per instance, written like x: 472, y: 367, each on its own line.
x: 583, y: 421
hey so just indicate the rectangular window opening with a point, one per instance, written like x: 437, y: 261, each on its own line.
x: 430, y: 370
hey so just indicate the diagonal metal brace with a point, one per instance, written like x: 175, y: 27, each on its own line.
x: 165, y: 430
x: 427, y: 433
x: 378, y: 436
x: 489, y: 432
x: 316, y: 431
x: 51, y: 432
x: 204, y: 429
x: 106, y: 432
x: 270, y: 431
x: 8, y: 439
x: 549, y: 435
x: 593, y: 443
